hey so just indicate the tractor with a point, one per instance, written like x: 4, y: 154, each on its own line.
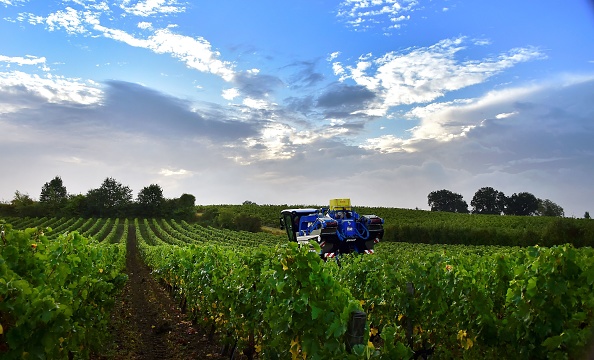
x: 338, y: 229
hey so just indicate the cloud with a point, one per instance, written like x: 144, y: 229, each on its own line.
x: 364, y: 14
x: 254, y: 85
x: 21, y: 88
x: 180, y: 172
x: 230, y: 94
x: 195, y: 52
x: 306, y: 76
x: 258, y: 104
x: 70, y: 20
x: 333, y: 56
x: 134, y: 107
x: 20, y: 61
x: 341, y: 103
x: 505, y: 115
x: 145, y: 25
x: 12, y: 2
x: 541, y: 145
x: 525, y: 108
x: 152, y: 7
x: 422, y: 75
x: 346, y: 97
x: 141, y: 136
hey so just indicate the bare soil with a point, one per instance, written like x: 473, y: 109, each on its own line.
x: 147, y: 322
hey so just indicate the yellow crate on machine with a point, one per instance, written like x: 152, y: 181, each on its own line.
x: 340, y: 204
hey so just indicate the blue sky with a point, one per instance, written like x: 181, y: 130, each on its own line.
x: 298, y: 102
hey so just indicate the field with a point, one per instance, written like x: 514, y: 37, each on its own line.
x: 251, y: 295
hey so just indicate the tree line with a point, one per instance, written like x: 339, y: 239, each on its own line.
x: 110, y: 200
x: 493, y: 202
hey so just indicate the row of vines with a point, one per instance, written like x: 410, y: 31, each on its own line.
x: 448, y: 301
x: 439, y: 227
x: 57, y: 288
x: 276, y: 301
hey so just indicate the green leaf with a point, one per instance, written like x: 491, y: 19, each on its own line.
x: 315, y: 312
x: 553, y: 342
x: 532, y: 288
x: 46, y: 316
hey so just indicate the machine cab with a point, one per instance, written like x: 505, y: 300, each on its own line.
x: 293, y: 221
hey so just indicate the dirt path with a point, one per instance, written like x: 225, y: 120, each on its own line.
x: 147, y: 323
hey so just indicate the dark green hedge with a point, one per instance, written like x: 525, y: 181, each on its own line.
x: 558, y: 231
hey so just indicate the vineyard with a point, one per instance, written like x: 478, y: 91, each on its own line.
x: 264, y: 298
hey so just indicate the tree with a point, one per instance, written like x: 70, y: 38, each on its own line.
x: 523, y: 204
x: 53, y: 196
x: 586, y: 215
x: 76, y: 205
x: 112, y: 199
x: 226, y: 219
x: 247, y: 222
x: 150, y: 201
x: 185, y: 207
x: 549, y: 208
x: 24, y: 205
x: 445, y: 200
x: 488, y: 201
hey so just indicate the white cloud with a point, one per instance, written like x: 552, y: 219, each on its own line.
x: 152, y: 7
x: 450, y: 120
x: 19, y: 60
x: 70, y: 20
x: 54, y: 89
x: 424, y: 74
x: 258, y: 104
x: 273, y: 143
x: 339, y: 71
x: 12, y: 2
x: 364, y: 14
x: 333, y: 56
x: 30, y: 18
x: 505, y: 115
x: 180, y: 172
x: 385, y: 144
x: 196, y: 53
x: 230, y: 94
x: 145, y: 25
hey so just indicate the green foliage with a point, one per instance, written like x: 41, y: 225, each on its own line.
x: 467, y: 302
x: 445, y: 200
x: 439, y: 227
x: 550, y: 307
x: 488, y: 201
x: 276, y: 297
x: 55, y: 296
x: 76, y: 205
x: 150, y: 201
x: 111, y: 199
x: 53, y: 196
x: 232, y: 217
x: 522, y: 204
x: 292, y: 305
x: 418, y: 226
x: 184, y: 207
x: 549, y: 208
x: 477, y: 302
x: 23, y: 205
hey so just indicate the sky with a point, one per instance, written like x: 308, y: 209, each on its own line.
x: 299, y: 102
